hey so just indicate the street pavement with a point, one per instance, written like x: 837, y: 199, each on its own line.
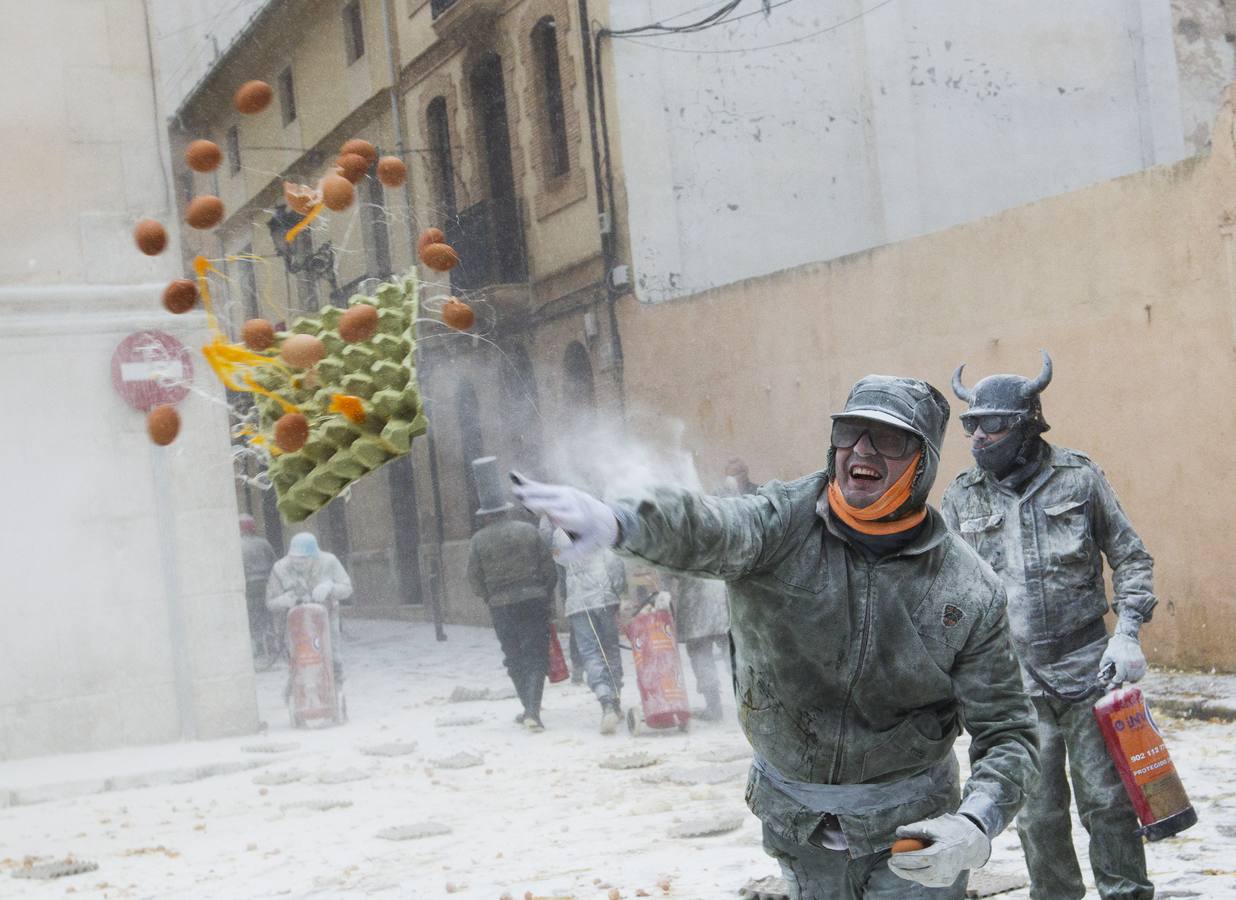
x: 424, y: 794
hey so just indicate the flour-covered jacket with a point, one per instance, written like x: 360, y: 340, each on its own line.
x: 596, y: 581
x: 1047, y: 544
x: 289, y: 587
x: 852, y: 672
x: 509, y: 561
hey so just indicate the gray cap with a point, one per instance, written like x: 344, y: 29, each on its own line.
x: 489, y: 490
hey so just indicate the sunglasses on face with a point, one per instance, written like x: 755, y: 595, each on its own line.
x: 888, y: 441
x: 993, y: 424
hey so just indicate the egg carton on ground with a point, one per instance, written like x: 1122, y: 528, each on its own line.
x: 380, y: 371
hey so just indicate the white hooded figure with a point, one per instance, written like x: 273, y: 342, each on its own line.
x: 309, y: 574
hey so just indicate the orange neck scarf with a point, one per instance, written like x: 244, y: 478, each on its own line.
x: 863, y: 520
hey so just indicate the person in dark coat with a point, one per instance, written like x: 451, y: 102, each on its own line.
x: 511, y: 568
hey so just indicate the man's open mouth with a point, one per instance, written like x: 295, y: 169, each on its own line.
x: 865, y: 473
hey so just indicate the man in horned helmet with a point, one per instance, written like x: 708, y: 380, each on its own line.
x: 1041, y: 516
x: 865, y: 636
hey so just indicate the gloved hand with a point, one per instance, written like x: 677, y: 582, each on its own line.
x: 322, y: 591
x: 956, y: 844
x: 1124, y: 654
x: 587, y: 521
x: 662, y: 600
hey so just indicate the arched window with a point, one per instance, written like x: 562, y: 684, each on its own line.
x: 545, y: 48
x: 472, y: 444
x: 440, y: 156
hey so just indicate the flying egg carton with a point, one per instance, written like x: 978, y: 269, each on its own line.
x: 380, y: 371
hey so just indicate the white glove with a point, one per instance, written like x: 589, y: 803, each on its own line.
x: 662, y: 600
x: 1124, y: 654
x: 322, y: 592
x: 587, y: 521
x: 955, y: 845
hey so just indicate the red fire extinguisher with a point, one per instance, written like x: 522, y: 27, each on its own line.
x: 557, y: 664
x: 1136, y: 747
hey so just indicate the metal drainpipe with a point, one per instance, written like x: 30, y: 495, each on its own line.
x: 435, y: 598
x: 595, y: 86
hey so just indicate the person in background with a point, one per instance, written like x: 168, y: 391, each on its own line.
x: 702, y: 624
x: 309, y: 574
x: 1043, y: 517
x: 511, y: 568
x: 737, y: 479
x: 259, y: 558
x: 595, y: 585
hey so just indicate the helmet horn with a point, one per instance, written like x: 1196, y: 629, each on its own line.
x: 1044, y: 379
x: 962, y: 392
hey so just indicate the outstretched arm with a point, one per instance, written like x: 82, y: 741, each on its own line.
x: 687, y: 531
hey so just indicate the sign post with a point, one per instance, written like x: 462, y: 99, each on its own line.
x: 149, y: 369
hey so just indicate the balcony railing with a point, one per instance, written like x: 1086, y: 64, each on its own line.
x: 490, y: 244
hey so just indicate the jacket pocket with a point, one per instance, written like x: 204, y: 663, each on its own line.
x: 983, y: 534
x: 919, y: 740
x: 1068, y: 539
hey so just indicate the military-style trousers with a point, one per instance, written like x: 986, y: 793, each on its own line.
x: 1070, y: 740
x: 817, y: 874
x: 523, y: 632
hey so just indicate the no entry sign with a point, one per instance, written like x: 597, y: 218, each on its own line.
x: 151, y: 368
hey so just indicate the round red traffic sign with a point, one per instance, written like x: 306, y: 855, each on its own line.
x: 151, y: 368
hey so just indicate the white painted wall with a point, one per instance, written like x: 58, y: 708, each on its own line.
x: 122, y: 601
x: 894, y: 119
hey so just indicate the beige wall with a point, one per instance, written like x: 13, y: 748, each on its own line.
x: 1129, y: 284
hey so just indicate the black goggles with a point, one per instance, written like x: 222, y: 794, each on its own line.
x: 887, y: 440
x: 991, y: 424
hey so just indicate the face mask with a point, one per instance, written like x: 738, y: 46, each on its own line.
x: 1001, y: 457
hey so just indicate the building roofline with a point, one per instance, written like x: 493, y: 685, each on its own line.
x: 256, y: 20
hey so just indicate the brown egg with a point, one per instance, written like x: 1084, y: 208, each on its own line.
x: 337, y: 192
x: 908, y: 845
x: 203, y: 156
x: 163, y: 424
x: 391, y: 171
x: 180, y: 296
x: 203, y: 212
x: 363, y: 147
x: 303, y: 351
x: 429, y: 236
x: 150, y: 236
x: 440, y: 257
x: 291, y: 432
x: 358, y: 323
x: 352, y: 166
x: 253, y: 97
x: 458, y: 315
x: 258, y: 334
